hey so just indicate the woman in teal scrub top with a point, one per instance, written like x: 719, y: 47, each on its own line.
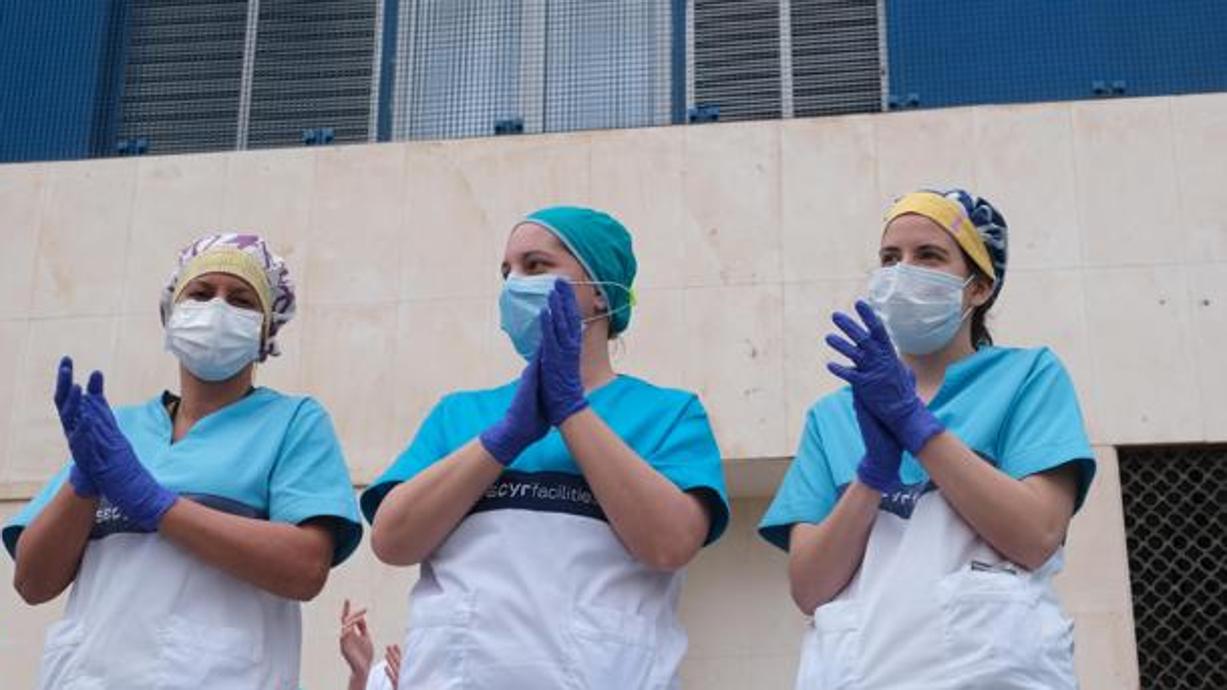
x: 925, y: 512
x: 552, y: 516
x: 191, y: 526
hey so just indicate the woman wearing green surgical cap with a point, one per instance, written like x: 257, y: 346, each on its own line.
x: 552, y: 516
x: 925, y: 512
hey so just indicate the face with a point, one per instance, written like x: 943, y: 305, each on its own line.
x: 233, y: 290
x: 917, y: 241
x: 532, y: 250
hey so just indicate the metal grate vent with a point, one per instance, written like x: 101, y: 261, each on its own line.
x: 836, y: 57
x: 1175, y: 502
x: 182, y: 80
x: 314, y: 67
x: 737, y: 66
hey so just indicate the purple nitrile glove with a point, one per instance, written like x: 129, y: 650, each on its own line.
x: 524, y: 423
x: 114, y: 465
x: 883, y: 383
x: 68, y: 405
x: 562, y: 390
x: 879, y: 468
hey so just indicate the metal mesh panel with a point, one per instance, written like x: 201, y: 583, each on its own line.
x: 607, y: 64
x: 1175, y: 502
x: 182, y: 80
x: 836, y: 57
x: 737, y: 66
x: 314, y: 67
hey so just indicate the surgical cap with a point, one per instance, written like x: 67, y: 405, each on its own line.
x: 246, y: 257
x: 980, y: 229
x: 602, y: 246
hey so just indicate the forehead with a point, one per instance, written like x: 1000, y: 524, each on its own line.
x: 913, y: 230
x: 230, y: 283
x: 529, y: 237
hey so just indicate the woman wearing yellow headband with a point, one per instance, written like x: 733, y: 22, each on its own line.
x: 191, y: 526
x: 925, y: 512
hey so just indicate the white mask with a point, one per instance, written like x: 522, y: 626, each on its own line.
x: 921, y: 308
x: 213, y: 339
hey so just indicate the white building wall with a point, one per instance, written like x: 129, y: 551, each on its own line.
x: 747, y: 235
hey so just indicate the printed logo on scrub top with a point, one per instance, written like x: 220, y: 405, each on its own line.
x: 903, y: 501
x: 109, y: 519
x: 548, y: 492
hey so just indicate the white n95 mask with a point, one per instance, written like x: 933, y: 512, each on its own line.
x: 921, y: 308
x: 213, y: 339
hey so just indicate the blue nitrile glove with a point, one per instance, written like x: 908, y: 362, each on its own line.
x: 879, y: 469
x: 114, y: 466
x: 68, y: 405
x: 884, y: 384
x: 524, y: 423
x: 562, y: 389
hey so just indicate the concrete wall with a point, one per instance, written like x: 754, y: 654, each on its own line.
x: 747, y: 234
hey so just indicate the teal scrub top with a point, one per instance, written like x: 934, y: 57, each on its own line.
x: 668, y: 428
x: 1016, y: 408
x: 266, y: 456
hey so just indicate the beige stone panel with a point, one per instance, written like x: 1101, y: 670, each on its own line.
x: 1096, y: 575
x: 1128, y: 202
x: 741, y: 671
x: 1200, y: 134
x: 354, y: 230
x: 369, y: 584
x: 349, y: 366
x: 655, y: 346
x: 142, y: 368
x: 807, y: 321
x: 505, y: 178
x: 1208, y: 320
x: 740, y: 579
x: 1105, y: 656
x: 13, y: 337
x: 1048, y: 309
x: 731, y: 182
x: 1138, y: 325
x: 83, y: 238
x: 38, y: 449
x: 923, y: 149
x: 440, y: 348
x: 447, y: 243
x: 1028, y: 175
x: 269, y: 193
x: 831, y: 218
x: 637, y: 178
x: 178, y: 198
x: 735, y: 364
x: 22, y: 188
x: 22, y: 635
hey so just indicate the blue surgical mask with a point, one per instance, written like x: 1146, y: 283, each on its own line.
x: 921, y: 308
x: 522, y: 300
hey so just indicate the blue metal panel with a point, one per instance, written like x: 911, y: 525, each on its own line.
x: 54, y: 77
x: 960, y: 52
x: 387, y: 69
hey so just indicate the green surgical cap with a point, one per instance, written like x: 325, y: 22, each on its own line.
x: 602, y: 246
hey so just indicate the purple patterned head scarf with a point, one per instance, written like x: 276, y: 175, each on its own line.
x: 244, y: 256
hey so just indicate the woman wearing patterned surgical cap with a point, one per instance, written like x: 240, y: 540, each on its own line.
x: 553, y: 516
x: 925, y: 512
x: 190, y: 527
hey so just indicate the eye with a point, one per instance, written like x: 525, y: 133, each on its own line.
x: 242, y: 302
x: 888, y: 258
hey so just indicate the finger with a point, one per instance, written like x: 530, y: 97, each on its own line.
x: 845, y: 348
x: 344, y: 610
x: 877, y: 330
x: 846, y: 373
x: 63, y: 380
x: 362, y: 627
x: 570, y: 305
x: 849, y: 326
x: 95, y: 384
x: 72, y: 405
